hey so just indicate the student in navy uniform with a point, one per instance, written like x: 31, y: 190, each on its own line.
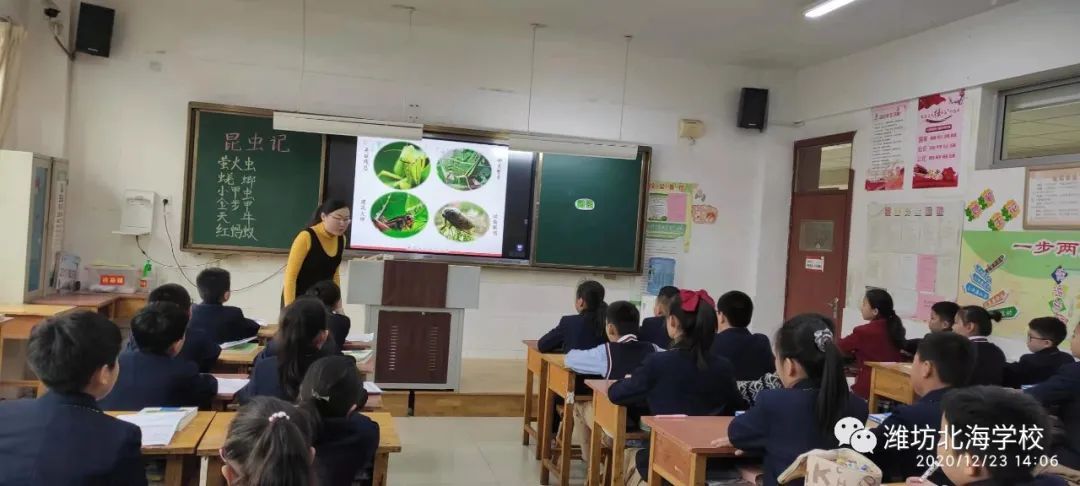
x: 152, y: 378
x: 584, y: 330
x: 976, y: 323
x: 199, y: 348
x: 686, y: 379
x: 654, y: 329
x: 338, y: 324
x: 1045, y: 334
x: 942, y: 362
x: 750, y: 354
x: 942, y: 315
x: 345, y: 440
x: 789, y: 421
x: 223, y: 323
x: 1061, y: 394
x: 300, y: 337
x: 62, y: 437
x: 1000, y: 463
x: 269, y: 444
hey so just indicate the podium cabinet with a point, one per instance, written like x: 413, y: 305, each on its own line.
x: 417, y: 312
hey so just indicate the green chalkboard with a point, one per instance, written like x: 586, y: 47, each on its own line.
x: 248, y: 187
x: 589, y: 212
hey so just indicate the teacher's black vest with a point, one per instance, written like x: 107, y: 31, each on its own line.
x: 625, y: 357
x: 318, y: 266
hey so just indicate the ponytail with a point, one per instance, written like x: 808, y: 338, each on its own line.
x: 982, y: 319
x: 332, y: 388
x: 809, y: 340
x: 880, y: 300
x: 269, y: 444
x: 301, y: 323
x: 591, y: 293
x: 698, y: 324
x: 327, y: 292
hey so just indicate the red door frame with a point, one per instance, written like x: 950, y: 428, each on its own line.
x: 836, y: 139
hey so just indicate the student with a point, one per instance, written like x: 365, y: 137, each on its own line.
x: 1044, y: 336
x: 221, y: 322
x: 1061, y: 392
x: 967, y: 460
x: 152, y: 378
x: 585, y: 330
x: 976, y: 323
x: 942, y: 315
x: 300, y: 337
x: 750, y: 354
x: 345, y: 440
x: 687, y: 379
x: 654, y: 329
x: 63, y: 437
x: 942, y: 362
x: 199, y: 348
x: 879, y: 340
x: 269, y: 444
x: 338, y: 324
x: 786, y: 422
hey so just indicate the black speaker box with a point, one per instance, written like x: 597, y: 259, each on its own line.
x: 753, y: 108
x: 94, y: 35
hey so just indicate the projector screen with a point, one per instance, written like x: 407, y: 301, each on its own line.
x: 432, y: 196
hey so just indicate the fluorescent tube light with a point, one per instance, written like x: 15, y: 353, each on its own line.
x: 592, y: 148
x: 339, y: 125
x: 823, y: 8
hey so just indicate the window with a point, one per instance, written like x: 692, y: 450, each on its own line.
x: 823, y: 167
x: 1039, y: 125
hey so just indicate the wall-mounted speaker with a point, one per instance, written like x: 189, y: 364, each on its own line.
x: 753, y: 108
x: 94, y: 34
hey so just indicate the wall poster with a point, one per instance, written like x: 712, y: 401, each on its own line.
x: 886, y: 171
x: 937, y: 152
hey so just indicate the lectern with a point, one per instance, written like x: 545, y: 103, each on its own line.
x: 417, y: 312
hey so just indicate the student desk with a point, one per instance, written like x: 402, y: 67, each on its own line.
x: 222, y: 400
x: 238, y: 359
x: 890, y: 380
x: 267, y: 332
x: 183, y: 444
x: 389, y: 443
x: 561, y: 382
x: 609, y: 419
x: 120, y: 308
x: 20, y: 319
x: 680, y: 446
x: 535, y: 372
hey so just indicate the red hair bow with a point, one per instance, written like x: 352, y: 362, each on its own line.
x: 690, y: 299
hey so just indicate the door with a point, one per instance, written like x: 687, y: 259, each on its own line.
x: 820, y: 224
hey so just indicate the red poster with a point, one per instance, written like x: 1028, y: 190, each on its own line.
x: 937, y: 154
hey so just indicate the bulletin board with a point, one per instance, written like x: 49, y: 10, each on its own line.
x: 914, y: 252
x: 1052, y: 196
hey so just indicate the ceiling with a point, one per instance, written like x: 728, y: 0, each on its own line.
x: 758, y: 33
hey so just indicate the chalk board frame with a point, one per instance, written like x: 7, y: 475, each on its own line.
x: 1027, y: 194
x: 195, y: 108
x: 645, y: 156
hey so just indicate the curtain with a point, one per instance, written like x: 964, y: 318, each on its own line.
x: 11, y: 43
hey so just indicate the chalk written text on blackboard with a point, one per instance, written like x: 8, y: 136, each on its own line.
x: 236, y: 185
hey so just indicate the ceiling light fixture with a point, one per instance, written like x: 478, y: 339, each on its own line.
x: 824, y: 7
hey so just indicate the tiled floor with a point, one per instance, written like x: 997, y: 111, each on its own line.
x: 453, y: 451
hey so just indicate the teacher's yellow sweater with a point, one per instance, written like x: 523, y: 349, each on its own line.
x: 298, y: 252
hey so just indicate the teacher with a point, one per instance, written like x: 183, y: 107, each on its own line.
x: 316, y: 252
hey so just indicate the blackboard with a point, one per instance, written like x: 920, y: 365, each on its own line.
x: 248, y: 187
x: 589, y: 212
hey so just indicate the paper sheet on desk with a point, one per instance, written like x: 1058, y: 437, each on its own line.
x: 229, y: 386
x: 360, y: 337
x: 359, y: 356
x: 372, y: 388
x: 236, y: 344
x: 157, y: 428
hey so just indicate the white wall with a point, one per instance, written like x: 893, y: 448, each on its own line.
x: 128, y: 130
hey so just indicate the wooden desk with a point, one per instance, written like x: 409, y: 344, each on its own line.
x: 680, y: 446
x: 120, y: 308
x: 890, y: 380
x: 561, y: 382
x: 609, y: 419
x: 222, y: 400
x: 212, y: 442
x: 356, y: 346
x: 238, y: 359
x: 20, y: 320
x: 266, y: 333
x: 183, y: 444
x: 535, y: 372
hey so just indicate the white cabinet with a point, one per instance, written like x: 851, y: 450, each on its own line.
x: 32, y: 196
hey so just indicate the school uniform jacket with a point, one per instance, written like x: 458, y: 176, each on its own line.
x: 1061, y: 395
x: 868, y: 342
x: 65, y: 439
x: 264, y: 379
x: 671, y: 383
x: 899, y: 464
x: 222, y: 323
x: 1035, y: 368
x: 343, y: 447
x: 750, y: 354
x: 155, y: 380
x: 613, y: 360
x: 571, y: 333
x: 198, y: 348
x: 989, y: 363
x: 339, y: 326
x: 781, y: 425
x: 654, y: 330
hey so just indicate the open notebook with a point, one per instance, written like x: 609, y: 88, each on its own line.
x: 159, y: 424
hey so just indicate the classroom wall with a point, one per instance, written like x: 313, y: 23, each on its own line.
x: 128, y: 131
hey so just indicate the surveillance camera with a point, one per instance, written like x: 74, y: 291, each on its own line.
x: 51, y: 10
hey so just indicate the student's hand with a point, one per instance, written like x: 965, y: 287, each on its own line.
x: 917, y: 481
x: 721, y: 442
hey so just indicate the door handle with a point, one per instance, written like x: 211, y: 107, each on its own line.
x: 834, y: 305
